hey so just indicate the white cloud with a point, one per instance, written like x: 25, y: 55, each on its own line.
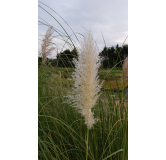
x: 109, y: 16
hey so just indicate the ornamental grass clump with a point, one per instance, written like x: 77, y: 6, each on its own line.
x: 86, y: 81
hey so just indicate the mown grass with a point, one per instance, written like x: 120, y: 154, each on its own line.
x: 62, y: 132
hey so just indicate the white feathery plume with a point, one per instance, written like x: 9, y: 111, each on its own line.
x: 86, y: 81
x: 46, y: 49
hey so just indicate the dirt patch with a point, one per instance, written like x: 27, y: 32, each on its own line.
x: 115, y: 85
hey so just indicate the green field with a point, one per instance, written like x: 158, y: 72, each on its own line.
x: 62, y: 132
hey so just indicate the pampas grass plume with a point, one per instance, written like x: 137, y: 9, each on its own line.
x: 125, y: 68
x: 86, y: 82
x: 46, y: 49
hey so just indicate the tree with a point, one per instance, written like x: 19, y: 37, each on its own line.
x: 64, y: 59
x: 124, y: 51
x: 118, y: 55
x: 113, y: 55
x: 108, y: 56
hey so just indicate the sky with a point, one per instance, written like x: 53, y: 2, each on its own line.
x: 105, y: 18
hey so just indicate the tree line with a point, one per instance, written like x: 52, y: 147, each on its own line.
x: 110, y: 57
x: 113, y: 55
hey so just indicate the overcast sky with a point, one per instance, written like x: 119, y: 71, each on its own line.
x: 109, y: 17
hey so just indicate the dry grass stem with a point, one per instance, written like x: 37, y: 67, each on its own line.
x: 125, y: 68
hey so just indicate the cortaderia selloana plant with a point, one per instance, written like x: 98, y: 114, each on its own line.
x: 86, y: 81
x: 45, y: 46
x: 85, y: 91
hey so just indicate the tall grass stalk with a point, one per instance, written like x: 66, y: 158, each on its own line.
x: 125, y: 68
x: 86, y: 82
x: 46, y: 49
x: 87, y: 143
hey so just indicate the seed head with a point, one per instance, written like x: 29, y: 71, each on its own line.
x: 86, y: 82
